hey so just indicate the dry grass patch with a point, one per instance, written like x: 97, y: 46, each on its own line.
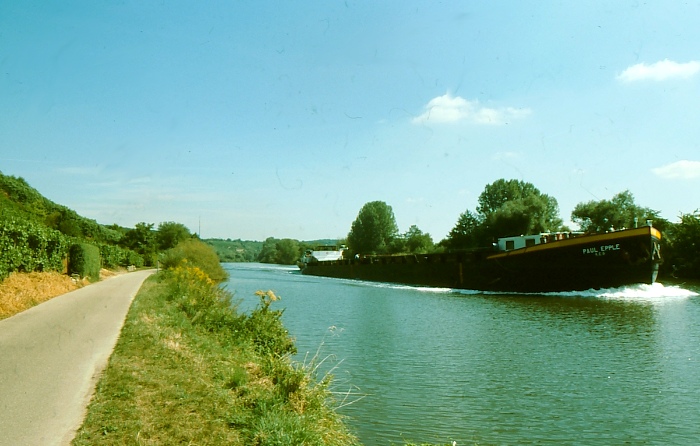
x: 20, y: 291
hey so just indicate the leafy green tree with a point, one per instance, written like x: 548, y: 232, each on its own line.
x: 417, y: 241
x: 515, y: 207
x: 374, y: 229
x: 683, y: 254
x: 268, y: 253
x: 466, y: 233
x: 288, y: 252
x: 505, y: 207
x: 614, y: 214
x: 170, y: 234
x: 530, y: 214
x: 498, y: 193
x: 281, y: 252
x: 142, y: 240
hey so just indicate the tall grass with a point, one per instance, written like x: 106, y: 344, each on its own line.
x: 189, y: 368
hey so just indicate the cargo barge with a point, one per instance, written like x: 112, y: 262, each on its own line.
x: 523, y: 264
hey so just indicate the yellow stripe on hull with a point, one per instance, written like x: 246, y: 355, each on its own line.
x: 582, y: 240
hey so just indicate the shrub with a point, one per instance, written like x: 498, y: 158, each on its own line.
x: 265, y: 328
x: 84, y: 260
x: 202, y: 300
x: 197, y: 254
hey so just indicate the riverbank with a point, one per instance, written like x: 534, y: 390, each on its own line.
x: 189, y: 369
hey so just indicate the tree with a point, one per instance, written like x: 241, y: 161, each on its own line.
x: 288, y: 252
x: 466, y: 232
x: 170, y: 234
x: 505, y: 207
x: 374, y: 229
x: 268, y: 253
x: 417, y: 241
x: 515, y: 207
x: 606, y: 215
x: 683, y: 254
x: 498, y: 193
x: 142, y: 240
x: 530, y: 214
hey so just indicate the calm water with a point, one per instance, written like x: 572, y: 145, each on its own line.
x: 616, y: 367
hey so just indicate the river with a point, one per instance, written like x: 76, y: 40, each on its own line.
x: 434, y: 365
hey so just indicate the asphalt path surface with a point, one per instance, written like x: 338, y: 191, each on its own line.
x: 51, y: 357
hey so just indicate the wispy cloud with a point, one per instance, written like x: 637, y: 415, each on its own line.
x: 449, y: 109
x: 660, y: 71
x: 680, y: 170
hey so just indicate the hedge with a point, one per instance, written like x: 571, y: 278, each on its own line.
x: 84, y: 260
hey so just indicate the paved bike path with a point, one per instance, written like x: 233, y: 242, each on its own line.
x: 51, y: 357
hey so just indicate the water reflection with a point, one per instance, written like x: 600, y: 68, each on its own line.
x: 439, y: 366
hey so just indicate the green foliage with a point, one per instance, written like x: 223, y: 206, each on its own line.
x: 268, y: 252
x: 374, y: 229
x: 515, y: 207
x: 27, y: 246
x: 170, y: 234
x: 202, y: 300
x: 195, y: 253
x: 288, y: 252
x: 413, y: 241
x: 281, y: 252
x: 84, y: 260
x: 236, y: 250
x: 617, y: 213
x: 466, y: 233
x: 142, y: 239
x: 684, y: 253
x: 114, y: 256
x: 506, y: 207
x: 265, y: 328
x: 20, y: 201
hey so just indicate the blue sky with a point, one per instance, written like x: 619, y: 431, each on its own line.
x: 282, y: 119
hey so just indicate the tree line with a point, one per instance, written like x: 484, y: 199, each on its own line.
x: 513, y: 207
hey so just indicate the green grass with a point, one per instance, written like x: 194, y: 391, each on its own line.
x: 189, y: 369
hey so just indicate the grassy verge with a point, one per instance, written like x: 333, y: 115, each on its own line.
x: 190, y: 369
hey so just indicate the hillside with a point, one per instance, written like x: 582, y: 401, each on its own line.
x: 37, y: 234
x: 21, y: 202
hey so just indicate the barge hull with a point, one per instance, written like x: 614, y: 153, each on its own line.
x: 581, y: 263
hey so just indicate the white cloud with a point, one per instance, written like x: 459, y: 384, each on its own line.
x: 448, y: 109
x: 660, y: 71
x: 680, y: 170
